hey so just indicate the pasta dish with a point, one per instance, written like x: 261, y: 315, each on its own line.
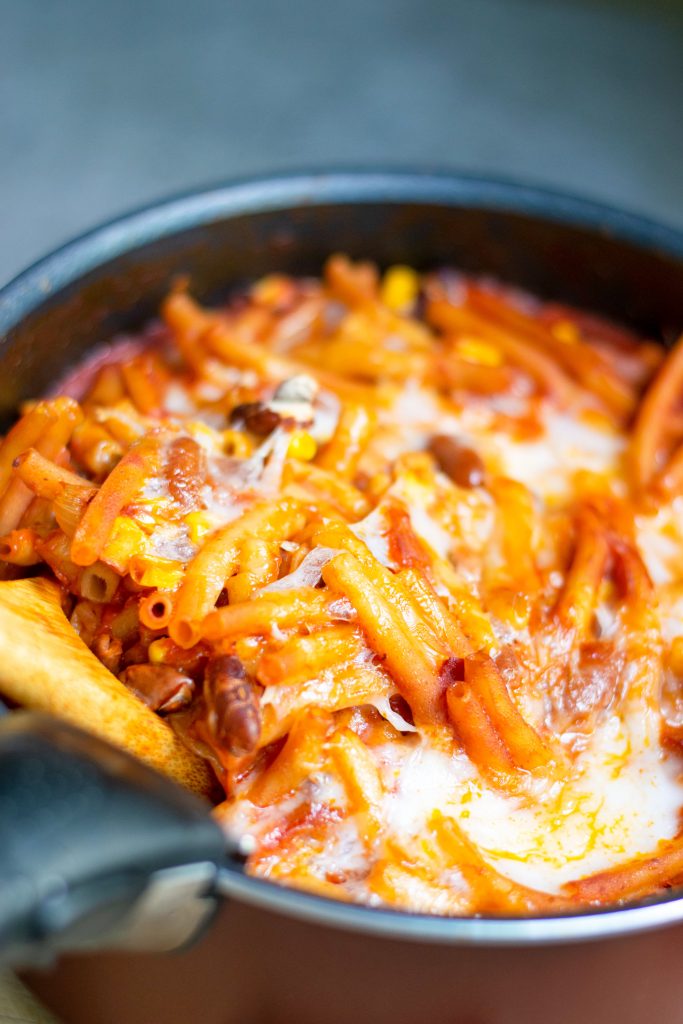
x: 400, y: 556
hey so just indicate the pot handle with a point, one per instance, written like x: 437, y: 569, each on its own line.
x: 96, y: 849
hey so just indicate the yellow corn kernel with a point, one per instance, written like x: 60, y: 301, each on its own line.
x: 510, y: 606
x: 269, y: 290
x: 587, y: 482
x: 206, y: 436
x: 302, y: 446
x: 198, y: 525
x: 126, y: 541
x: 237, y: 443
x: 565, y: 330
x: 377, y: 485
x: 598, y: 418
x: 157, y: 651
x: 399, y: 289
x: 476, y: 350
x: 161, y: 574
x: 608, y: 592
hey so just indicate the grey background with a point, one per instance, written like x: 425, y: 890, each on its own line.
x: 105, y: 105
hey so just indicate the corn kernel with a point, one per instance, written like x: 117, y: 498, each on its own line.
x: 607, y: 592
x: 302, y: 446
x: 125, y: 541
x: 158, y: 650
x: 598, y: 418
x: 206, y: 436
x: 162, y: 575
x: 565, y: 330
x: 377, y: 485
x: 237, y: 443
x: 198, y: 525
x: 587, y: 482
x: 271, y: 289
x: 399, y: 289
x: 475, y: 350
x: 510, y: 606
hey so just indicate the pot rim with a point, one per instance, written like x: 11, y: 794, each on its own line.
x: 66, y: 265
x: 265, y: 193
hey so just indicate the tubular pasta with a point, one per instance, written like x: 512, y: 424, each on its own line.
x: 525, y: 747
x: 262, y: 614
x: 395, y: 560
x: 304, y: 657
x: 581, y: 589
x: 477, y: 732
x: 361, y: 779
x: 496, y: 893
x: 649, y: 429
x: 118, y: 490
x: 354, y: 428
x: 416, y: 676
x: 304, y: 752
x: 629, y: 881
x: 145, y: 382
x: 579, y: 360
x: 19, y: 548
x: 207, y: 573
x: 544, y: 370
x: 63, y: 415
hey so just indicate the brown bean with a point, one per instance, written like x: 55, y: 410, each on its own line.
x: 452, y: 671
x: 109, y: 650
x: 257, y: 418
x: 136, y: 654
x: 400, y: 706
x: 462, y: 464
x: 160, y: 687
x: 234, y: 713
x: 186, y: 472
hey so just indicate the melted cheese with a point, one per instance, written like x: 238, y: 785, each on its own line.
x: 370, y: 790
x: 623, y: 794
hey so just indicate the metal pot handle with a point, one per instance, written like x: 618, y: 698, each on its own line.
x: 96, y: 849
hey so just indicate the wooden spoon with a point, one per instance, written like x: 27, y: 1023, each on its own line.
x: 45, y: 665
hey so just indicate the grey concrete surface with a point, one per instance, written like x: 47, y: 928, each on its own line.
x: 104, y: 105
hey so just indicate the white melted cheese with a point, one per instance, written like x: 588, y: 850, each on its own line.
x: 373, y: 532
x: 621, y: 795
x: 660, y: 540
x: 546, y: 465
x: 618, y: 803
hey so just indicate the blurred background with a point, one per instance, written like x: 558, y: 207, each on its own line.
x: 104, y: 106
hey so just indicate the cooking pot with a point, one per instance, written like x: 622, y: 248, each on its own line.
x: 97, y: 851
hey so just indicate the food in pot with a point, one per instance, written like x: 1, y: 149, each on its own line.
x: 401, y: 555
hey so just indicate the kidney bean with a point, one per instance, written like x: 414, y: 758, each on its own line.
x: 234, y: 713
x: 109, y: 651
x: 257, y: 417
x: 462, y: 464
x: 161, y: 687
x: 400, y: 706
